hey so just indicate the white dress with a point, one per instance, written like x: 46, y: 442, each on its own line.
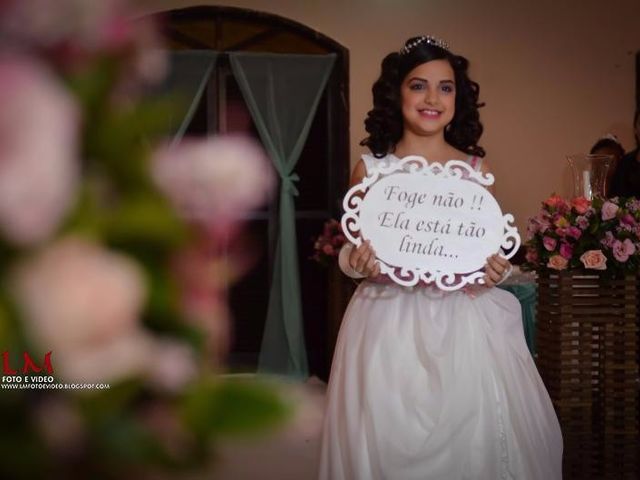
x: 436, y: 386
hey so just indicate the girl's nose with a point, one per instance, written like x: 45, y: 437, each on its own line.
x: 430, y: 96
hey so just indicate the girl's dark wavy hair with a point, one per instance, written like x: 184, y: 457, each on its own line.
x: 384, y: 122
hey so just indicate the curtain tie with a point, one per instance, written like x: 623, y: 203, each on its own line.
x: 288, y: 185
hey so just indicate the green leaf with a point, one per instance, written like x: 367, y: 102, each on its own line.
x: 234, y: 407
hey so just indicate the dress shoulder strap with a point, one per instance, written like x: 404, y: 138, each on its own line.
x: 370, y: 160
x: 475, y: 162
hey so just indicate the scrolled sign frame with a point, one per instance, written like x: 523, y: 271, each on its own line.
x: 503, y: 236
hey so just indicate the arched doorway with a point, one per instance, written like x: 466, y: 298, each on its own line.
x: 323, y: 166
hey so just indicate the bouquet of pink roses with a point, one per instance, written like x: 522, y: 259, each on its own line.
x: 327, y: 246
x: 603, y: 235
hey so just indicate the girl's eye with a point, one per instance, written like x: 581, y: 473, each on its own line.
x: 416, y: 86
x: 447, y: 88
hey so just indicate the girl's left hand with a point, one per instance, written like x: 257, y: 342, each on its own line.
x: 495, y: 269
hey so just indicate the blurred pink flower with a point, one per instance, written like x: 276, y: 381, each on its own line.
x: 203, y: 281
x: 61, y: 425
x: 594, y: 259
x: 129, y: 355
x: 75, y: 31
x: 150, y: 63
x: 174, y: 365
x: 557, y: 262
x: 83, y: 302
x: 609, y: 210
x: 39, y: 167
x: 214, y: 181
x: 88, y: 24
x: 338, y: 240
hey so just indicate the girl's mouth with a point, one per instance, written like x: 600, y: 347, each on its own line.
x: 429, y: 113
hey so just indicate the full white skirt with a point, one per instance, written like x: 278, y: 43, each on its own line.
x: 431, y: 385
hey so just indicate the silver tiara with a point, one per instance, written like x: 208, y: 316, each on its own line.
x: 436, y: 42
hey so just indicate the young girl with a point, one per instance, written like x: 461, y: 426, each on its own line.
x: 427, y: 384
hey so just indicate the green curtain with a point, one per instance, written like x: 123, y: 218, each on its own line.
x: 189, y: 72
x: 282, y: 93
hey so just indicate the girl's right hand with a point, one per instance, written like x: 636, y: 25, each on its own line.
x: 363, y: 260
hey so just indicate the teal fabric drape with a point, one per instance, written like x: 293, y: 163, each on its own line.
x: 282, y: 93
x: 189, y: 72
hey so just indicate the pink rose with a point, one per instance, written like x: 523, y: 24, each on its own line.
x: 549, y: 243
x: 566, y: 250
x: 628, y: 219
x: 574, y: 232
x: 609, y: 210
x: 608, y: 240
x: 532, y: 255
x: 533, y: 227
x: 580, y: 205
x: 622, y: 250
x: 582, y: 222
x: 594, y: 259
x: 39, y: 165
x: 328, y: 250
x: 553, y: 201
x: 557, y: 203
x: 557, y: 262
x: 543, y: 221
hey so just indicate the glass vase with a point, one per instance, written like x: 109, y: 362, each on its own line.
x: 589, y: 173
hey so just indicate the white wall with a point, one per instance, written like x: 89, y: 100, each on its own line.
x: 555, y: 75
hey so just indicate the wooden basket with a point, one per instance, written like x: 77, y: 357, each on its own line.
x: 587, y: 343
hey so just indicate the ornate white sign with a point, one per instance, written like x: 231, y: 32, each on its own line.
x: 428, y: 222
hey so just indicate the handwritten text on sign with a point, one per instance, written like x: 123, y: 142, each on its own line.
x: 431, y: 224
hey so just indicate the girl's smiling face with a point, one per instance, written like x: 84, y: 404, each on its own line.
x: 428, y: 97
